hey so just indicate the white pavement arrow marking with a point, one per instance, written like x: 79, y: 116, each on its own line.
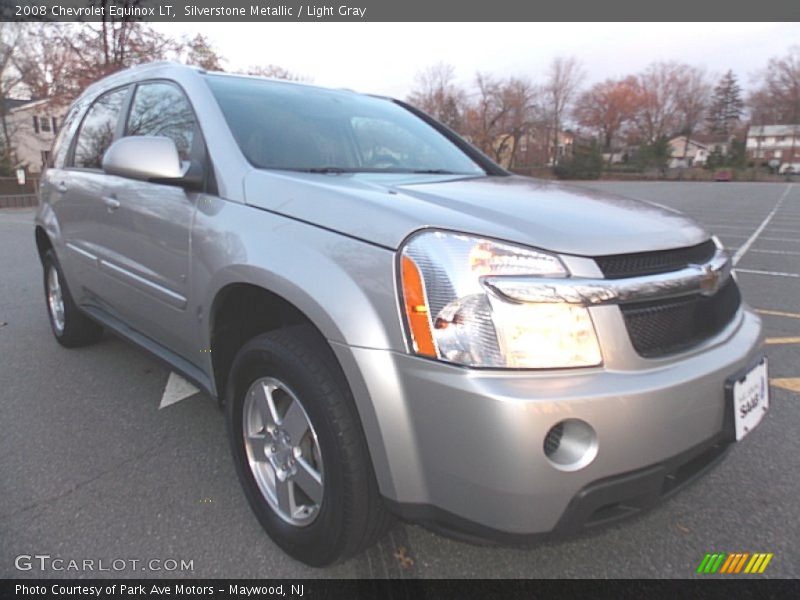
x: 177, y: 389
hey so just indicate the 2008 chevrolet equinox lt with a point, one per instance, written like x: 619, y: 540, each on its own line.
x: 395, y: 325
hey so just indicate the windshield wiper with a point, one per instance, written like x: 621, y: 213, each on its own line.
x: 339, y: 170
x: 324, y: 170
x: 436, y: 172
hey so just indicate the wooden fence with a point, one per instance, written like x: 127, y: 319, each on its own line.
x: 18, y: 200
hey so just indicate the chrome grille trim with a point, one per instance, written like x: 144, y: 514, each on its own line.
x: 705, y: 279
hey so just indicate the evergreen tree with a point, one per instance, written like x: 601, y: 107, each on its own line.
x: 726, y: 105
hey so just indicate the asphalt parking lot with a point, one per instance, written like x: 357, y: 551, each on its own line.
x: 90, y: 468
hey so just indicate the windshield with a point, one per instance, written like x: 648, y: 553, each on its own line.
x: 288, y: 126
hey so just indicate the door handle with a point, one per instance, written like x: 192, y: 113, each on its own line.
x: 111, y: 203
x: 61, y: 187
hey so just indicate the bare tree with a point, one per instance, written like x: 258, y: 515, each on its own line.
x: 485, y: 116
x: 58, y: 60
x: 658, y: 114
x: 692, y: 96
x: 563, y: 80
x: 500, y: 114
x: 436, y: 93
x: 607, y: 107
x: 520, y: 97
x: 776, y: 100
x: 45, y: 62
x: 99, y: 49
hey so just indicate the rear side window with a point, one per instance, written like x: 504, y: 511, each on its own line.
x: 162, y: 109
x: 97, y: 130
x: 61, y: 144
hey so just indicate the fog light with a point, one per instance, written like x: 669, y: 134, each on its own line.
x: 570, y: 445
x: 553, y: 439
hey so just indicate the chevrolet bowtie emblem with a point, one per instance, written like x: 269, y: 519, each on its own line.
x: 709, y: 280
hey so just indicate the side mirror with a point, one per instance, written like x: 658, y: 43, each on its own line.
x: 150, y: 158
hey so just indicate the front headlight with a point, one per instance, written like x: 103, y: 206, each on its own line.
x: 451, y: 316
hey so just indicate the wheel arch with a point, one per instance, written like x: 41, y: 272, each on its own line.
x: 43, y: 243
x: 300, y: 307
x: 239, y: 312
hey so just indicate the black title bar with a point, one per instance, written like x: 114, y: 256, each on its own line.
x: 398, y: 10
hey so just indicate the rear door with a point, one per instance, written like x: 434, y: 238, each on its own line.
x: 78, y: 193
x: 150, y: 246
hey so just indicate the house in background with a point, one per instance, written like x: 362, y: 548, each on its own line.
x: 687, y: 152
x: 781, y: 143
x: 32, y: 126
x: 563, y: 149
x: 700, y: 148
x: 721, y: 143
x: 617, y: 156
x: 535, y: 148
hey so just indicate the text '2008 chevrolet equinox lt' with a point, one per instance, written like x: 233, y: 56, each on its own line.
x: 394, y: 324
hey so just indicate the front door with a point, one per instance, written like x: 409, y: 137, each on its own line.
x: 152, y: 225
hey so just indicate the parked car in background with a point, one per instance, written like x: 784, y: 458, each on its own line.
x: 723, y: 175
x: 395, y: 325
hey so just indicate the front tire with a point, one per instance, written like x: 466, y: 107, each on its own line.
x: 70, y: 326
x: 299, y: 449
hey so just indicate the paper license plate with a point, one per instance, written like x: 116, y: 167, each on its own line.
x: 750, y: 399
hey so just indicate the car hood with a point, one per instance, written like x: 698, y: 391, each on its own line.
x: 385, y: 208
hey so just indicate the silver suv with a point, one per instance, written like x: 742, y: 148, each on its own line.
x: 395, y: 325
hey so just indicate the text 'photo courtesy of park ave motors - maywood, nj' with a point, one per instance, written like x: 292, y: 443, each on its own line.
x: 178, y: 589
x: 170, y: 11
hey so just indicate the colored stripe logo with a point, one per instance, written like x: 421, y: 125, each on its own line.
x: 733, y: 563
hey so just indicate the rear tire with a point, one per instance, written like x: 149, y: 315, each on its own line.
x: 70, y: 326
x: 299, y: 449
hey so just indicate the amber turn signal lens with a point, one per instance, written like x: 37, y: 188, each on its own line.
x: 416, y: 308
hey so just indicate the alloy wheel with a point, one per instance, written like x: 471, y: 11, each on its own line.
x: 55, y: 299
x: 283, y: 451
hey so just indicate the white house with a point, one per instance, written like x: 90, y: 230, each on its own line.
x: 780, y: 143
x: 687, y: 153
x: 32, y: 127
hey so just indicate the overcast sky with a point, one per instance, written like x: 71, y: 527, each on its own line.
x: 384, y: 57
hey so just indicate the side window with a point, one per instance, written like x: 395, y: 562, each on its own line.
x: 162, y: 109
x: 97, y: 130
x: 61, y: 143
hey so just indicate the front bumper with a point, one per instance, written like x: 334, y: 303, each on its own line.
x: 463, y: 448
x: 600, y: 503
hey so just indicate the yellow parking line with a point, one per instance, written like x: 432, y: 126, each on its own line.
x: 778, y: 313
x: 787, y: 383
x: 783, y: 340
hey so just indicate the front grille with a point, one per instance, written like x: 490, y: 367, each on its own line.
x: 662, y: 327
x: 618, y: 266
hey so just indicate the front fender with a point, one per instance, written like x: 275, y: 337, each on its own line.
x: 344, y: 286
